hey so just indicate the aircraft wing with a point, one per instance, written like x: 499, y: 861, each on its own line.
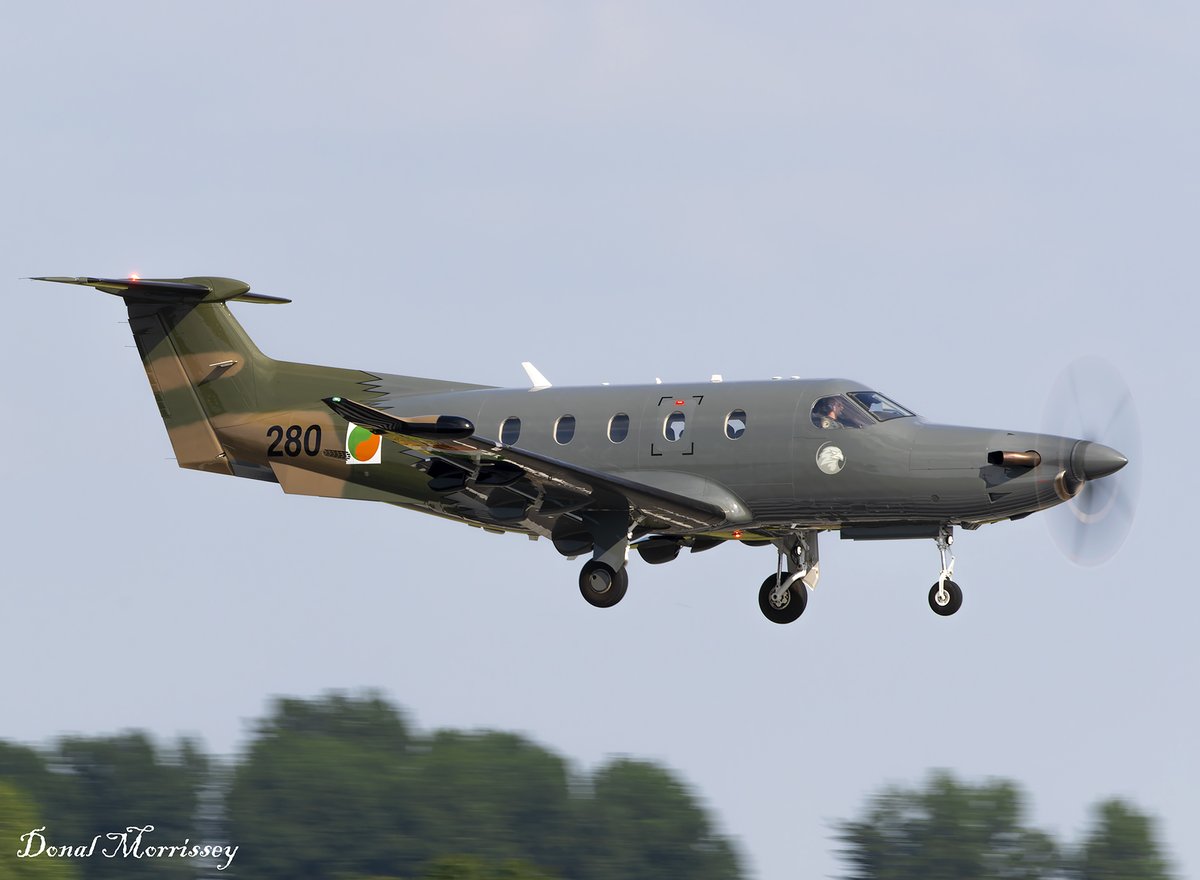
x: 508, y: 478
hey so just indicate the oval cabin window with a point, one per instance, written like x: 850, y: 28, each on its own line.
x: 618, y: 427
x: 564, y: 430
x: 510, y: 431
x: 673, y: 427
x: 735, y: 424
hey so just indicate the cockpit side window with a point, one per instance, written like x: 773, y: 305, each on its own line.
x: 882, y: 409
x: 836, y: 411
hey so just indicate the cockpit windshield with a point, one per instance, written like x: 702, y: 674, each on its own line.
x: 880, y: 407
x: 858, y: 409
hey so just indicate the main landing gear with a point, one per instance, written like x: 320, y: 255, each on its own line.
x: 603, y: 579
x: 945, y: 597
x: 784, y: 595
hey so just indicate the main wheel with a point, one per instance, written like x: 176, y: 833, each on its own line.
x: 951, y: 601
x: 602, y: 586
x: 787, y: 609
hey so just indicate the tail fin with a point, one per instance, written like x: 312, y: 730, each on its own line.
x: 208, y: 377
x: 200, y: 362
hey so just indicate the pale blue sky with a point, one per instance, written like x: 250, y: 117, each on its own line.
x: 950, y: 202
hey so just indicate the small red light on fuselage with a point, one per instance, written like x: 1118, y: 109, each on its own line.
x: 679, y: 403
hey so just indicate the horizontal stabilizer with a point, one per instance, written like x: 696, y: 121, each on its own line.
x: 425, y: 427
x: 169, y: 291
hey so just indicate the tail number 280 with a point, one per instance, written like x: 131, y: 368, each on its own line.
x: 293, y: 440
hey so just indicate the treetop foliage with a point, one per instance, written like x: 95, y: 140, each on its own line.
x: 950, y: 830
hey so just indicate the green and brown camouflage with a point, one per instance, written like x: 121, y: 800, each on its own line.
x: 218, y: 394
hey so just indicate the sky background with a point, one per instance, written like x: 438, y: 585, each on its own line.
x: 951, y: 202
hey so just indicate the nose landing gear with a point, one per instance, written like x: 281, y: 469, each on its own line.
x: 945, y: 597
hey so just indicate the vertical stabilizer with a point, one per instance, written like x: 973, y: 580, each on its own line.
x: 200, y: 363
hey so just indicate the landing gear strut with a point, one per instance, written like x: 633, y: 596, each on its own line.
x: 945, y: 597
x: 783, y: 596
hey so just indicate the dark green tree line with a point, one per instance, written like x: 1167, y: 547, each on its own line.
x: 315, y: 799
x: 342, y: 788
x: 950, y: 830
x: 92, y: 786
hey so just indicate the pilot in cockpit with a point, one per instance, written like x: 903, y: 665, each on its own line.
x: 831, y: 413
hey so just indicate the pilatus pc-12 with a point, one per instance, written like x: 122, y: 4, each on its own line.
x: 596, y: 470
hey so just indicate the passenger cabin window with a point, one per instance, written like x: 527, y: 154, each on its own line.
x: 618, y: 427
x: 510, y: 431
x: 878, y: 406
x: 735, y: 424
x: 564, y: 430
x: 673, y: 426
x: 838, y: 412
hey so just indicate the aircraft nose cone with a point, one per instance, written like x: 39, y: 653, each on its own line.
x: 1100, y: 461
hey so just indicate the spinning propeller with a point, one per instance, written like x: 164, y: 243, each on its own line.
x: 1090, y: 400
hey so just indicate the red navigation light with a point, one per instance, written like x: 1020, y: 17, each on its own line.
x: 679, y: 403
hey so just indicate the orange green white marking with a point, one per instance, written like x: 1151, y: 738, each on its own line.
x: 362, y: 446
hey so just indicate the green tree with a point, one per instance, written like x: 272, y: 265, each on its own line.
x: 338, y: 788
x: 1121, y: 845
x: 948, y: 831
x: 324, y: 792
x: 641, y: 823
x: 56, y: 794
x: 19, y: 816
x: 496, y: 796
x: 124, y: 780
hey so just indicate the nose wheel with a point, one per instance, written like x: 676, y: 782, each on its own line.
x: 945, y: 597
x: 601, y: 585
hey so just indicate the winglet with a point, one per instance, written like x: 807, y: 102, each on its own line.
x: 536, y: 378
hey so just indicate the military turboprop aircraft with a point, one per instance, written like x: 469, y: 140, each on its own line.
x: 596, y: 470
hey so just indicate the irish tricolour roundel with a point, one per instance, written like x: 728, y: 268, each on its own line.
x: 362, y: 446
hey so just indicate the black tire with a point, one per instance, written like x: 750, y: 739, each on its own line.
x: 601, y: 586
x: 950, y: 607
x: 793, y: 607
